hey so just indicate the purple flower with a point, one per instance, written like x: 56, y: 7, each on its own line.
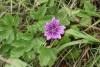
x: 53, y: 30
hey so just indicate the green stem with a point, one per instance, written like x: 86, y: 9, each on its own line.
x: 70, y: 43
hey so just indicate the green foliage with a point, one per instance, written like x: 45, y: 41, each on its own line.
x: 74, y: 54
x: 24, y: 36
x: 4, y: 50
x: 39, y: 13
x: 37, y: 43
x: 5, y: 33
x: 16, y: 63
x: 9, y: 20
x: 22, y: 32
x: 21, y: 46
x: 32, y: 29
x: 58, y: 49
x: 17, y: 52
x: 85, y: 21
x: 64, y: 40
x: 47, y: 56
x: 55, y: 42
x: 20, y: 43
x: 51, y: 3
x: 81, y: 35
x: 89, y: 7
x: 29, y: 56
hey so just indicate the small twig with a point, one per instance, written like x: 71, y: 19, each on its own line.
x: 11, y: 7
x: 81, y: 57
x: 73, y: 4
x: 3, y: 13
x: 23, y: 4
x: 5, y: 60
x: 64, y: 56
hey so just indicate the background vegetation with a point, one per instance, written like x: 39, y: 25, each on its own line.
x: 22, y: 41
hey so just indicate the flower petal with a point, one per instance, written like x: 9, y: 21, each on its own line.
x: 60, y: 29
x: 55, y: 22
x: 48, y: 35
x: 48, y: 26
x: 56, y: 35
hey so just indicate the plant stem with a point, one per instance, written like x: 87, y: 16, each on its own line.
x: 71, y: 43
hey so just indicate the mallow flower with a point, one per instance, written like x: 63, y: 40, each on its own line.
x: 53, y: 30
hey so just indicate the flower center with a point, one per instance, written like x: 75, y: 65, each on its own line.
x: 53, y: 30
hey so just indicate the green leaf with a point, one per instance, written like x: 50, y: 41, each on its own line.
x: 47, y: 18
x: 38, y: 14
x: 61, y: 13
x: 41, y: 25
x: 84, y: 13
x: 89, y: 10
x: 6, y: 33
x: 1, y: 22
x: 81, y: 35
x: 17, y: 52
x: 5, y: 48
x: 26, y: 45
x: 47, y: 56
x: 9, y: 20
x: 37, y: 42
x: 89, y: 7
x: 74, y: 12
x: 33, y: 14
x: 29, y: 56
x: 42, y: 11
x: 29, y: 46
x: 67, y: 9
x: 65, y: 21
x: 16, y: 63
x: 74, y: 54
x: 51, y: 3
x: 55, y: 42
x: 17, y: 20
x: 75, y: 27
x: 24, y: 36
x: 64, y: 40
x: 32, y: 29
x: 20, y: 43
x: 85, y: 21
x: 11, y: 38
